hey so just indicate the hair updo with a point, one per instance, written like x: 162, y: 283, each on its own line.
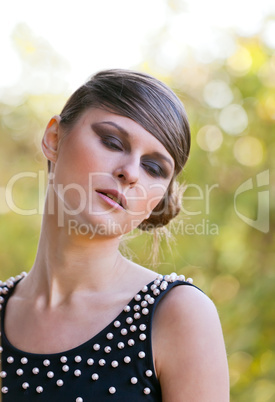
x: 149, y: 103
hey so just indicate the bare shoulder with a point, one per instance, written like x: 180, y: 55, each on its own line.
x: 188, y: 347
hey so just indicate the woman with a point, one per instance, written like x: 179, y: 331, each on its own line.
x: 86, y: 324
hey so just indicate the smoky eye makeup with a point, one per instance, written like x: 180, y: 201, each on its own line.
x: 109, y: 137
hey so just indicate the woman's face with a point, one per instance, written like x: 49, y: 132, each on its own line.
x: 109, y: 173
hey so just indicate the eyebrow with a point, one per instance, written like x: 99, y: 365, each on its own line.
x: 156, y: 154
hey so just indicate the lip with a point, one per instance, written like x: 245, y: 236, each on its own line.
x: 121, y: 198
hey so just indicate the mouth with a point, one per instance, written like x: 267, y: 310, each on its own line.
x: 115, y: 196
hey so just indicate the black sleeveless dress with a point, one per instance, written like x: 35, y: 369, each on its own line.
x: 116, y: 365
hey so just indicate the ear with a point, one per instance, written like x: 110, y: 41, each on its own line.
x: 50, y: 139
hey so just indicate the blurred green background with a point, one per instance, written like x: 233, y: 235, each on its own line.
x: 224, y: 237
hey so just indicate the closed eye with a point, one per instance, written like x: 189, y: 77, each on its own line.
x: 112, y: 143
x: 154, y: 169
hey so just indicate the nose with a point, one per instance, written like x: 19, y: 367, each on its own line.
x: 127, y: 170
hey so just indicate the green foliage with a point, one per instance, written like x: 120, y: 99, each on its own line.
x: 230, y: 260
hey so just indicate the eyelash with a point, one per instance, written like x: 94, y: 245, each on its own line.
x: 154, y: 172
x: 112, y: 143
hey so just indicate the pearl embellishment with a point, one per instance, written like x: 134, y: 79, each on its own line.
x: 141, y: 305
x: 134, y: 380
x: 112, y: 390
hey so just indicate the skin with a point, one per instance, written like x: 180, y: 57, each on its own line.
x: 75, y: 284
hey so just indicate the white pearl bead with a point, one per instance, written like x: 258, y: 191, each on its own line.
x: 63, y: 359
x: 112, y: 390
x: 96, y: 346
x: 90, y: 362
x: 151, y: 300
x: 145, y: 289
x: 134, y: 380
x: 25, y: 385
x: 46, y: 362
x: 59, y: 383
x: 147, y: 391
x: 124, y: 331
x: 102, y: 362
x: 142, y: 327
x: 77, y: 359
x: 146, y: 297
x: 145, y: 311
x: 1, y: 349
x: 142, y: 337
x: 137, y: 316
x: 163, y: 285
x: 3, y: 374
x: 95, y: 376
x: 19, y: 372
x: 131, y: 342
x: 4, y: 390
x: 127, y: 309
x: 50, y: 374
x: 137, y: 297
x: 129, y: 320
x: 65, y: 368
x: 107, y: 349
x: 153, y: 287
x: 24, y: 360
x: 133, y: 328
x: 156, y: 292
x: 114, y: 363
x: 79, y: 399
x: 117, y: 324
x: 10, y: 359
x: 137, y: 307
x: 173, y: 276
x: 39, y: 389
x: 120, y: 345
x: 149, y: 373
x: 127, y: 359
x: 157, y: 282
x: 144, y: 303
x: 77, y: 373
x: 110, y: 336
x: 35, y: 370
x: 141, y: 355
x: 189, y: 280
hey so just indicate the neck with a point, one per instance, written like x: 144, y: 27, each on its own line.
x: 67, y: 263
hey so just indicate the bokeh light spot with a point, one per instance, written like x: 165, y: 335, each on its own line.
x: 209, y: 138
x: 233, y: 119
x: 240, y: 62
x: 217, y: 94
x: 248, y: 151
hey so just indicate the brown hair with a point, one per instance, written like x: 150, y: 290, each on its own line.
x: 149, y: 103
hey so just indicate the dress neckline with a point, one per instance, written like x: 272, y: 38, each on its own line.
x: 76, y: 349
